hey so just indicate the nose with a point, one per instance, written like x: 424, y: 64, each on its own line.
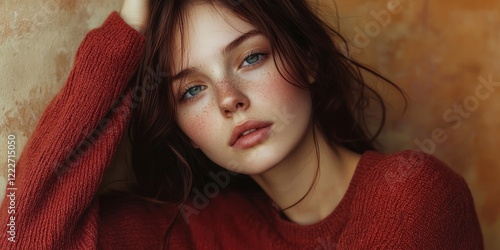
x: 231, y: 99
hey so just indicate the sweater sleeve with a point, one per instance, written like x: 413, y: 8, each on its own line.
x: 415, y: 202
x: 61, y: 167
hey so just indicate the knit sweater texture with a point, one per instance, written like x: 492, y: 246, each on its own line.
x: 407, y: 200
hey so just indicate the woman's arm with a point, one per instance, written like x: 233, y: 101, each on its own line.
x: 62, y: 165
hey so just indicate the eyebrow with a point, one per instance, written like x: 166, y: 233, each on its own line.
x: 230, y: 47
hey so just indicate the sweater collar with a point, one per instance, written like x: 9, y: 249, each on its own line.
x: 327, y: 231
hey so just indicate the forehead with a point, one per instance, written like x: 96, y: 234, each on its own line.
x: 207, y: 30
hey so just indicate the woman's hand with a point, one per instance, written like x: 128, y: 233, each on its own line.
x: 135, y: 13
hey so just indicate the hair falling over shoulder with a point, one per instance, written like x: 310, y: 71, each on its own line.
x: 167, y: 167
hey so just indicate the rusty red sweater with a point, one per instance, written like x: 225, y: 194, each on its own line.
x: 407, y: 200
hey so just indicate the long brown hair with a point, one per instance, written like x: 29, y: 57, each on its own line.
x: 167, y: 167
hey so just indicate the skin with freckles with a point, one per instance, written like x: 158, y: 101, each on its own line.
x: 221, y: 87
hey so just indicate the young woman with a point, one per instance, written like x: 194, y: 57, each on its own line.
x: 247, y: 120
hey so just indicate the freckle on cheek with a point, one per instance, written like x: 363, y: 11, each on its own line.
x: 196, y: 125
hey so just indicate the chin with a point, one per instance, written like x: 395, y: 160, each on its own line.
x: 256, y: 170
x: 260, y: 163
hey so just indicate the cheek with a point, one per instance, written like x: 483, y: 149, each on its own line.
x: 290, y: 106
x: 285, y: 95
x: 194, y: 124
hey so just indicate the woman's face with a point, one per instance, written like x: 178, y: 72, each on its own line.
x: 233, y: 103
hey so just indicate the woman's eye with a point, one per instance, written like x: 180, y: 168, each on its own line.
x: 193, y: 91
x: 252, y: 59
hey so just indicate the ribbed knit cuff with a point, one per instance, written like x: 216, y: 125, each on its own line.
x: 116, y: 41
x: 104, y: 64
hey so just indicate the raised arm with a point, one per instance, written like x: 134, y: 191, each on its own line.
x: 62, y: 165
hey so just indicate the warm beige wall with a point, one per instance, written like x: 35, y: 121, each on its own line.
x: 435, y: 50
x: 38, y: 41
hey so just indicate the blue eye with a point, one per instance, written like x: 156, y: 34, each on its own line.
x: 193, y: 91
x: 253, y: 59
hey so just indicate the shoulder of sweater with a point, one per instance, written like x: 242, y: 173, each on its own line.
x: 411, y: 166
x: 408, y: 179
x: 411, y: 200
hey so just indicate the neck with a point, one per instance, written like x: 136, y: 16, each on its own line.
x: 329, y: 176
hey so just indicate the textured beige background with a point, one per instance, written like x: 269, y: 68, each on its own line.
x: 435, y: 50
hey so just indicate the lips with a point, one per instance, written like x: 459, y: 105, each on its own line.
x: 249, y: 133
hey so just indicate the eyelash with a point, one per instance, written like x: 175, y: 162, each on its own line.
x: 255, y: 53
x: 251, y: 53
x: 184, y: 92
